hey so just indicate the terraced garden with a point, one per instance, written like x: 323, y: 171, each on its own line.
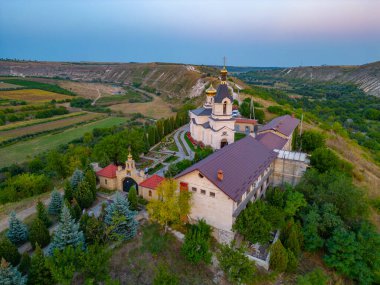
x: 42, y: 127
x: 20, y: 152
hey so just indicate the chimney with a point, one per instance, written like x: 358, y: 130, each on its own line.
x: 220, y: 175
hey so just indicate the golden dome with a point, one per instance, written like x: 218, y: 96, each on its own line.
x: 224, y: 70
x: 211, y: 91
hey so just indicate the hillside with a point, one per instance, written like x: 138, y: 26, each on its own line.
x: 366, y: 77
x: 173, y: 81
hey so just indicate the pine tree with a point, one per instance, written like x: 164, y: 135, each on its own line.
x: 132, y: 198
x: 18, y: 232
x: 278, y: 257
x: 76, y: 178
x: 42, y: 214
x: 24, y: 263
x: 55, y: 205
x: 39, y: 273
x: 84, y: 195
x: 9, y: 275
x: 67, y: 233
x: 9, y: 251
x: 121, y: 219
x: 39, y: 233
x: 76, y: 211
x: 90, y: 177
x: 69, y: 194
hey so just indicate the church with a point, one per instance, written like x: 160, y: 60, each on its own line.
x: 213, y: 124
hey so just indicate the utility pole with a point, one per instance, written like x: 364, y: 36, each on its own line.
x: 301, y: 132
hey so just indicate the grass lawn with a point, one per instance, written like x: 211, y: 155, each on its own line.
x: 156, y: 168
x: 171, y: 158
x: 189, y: 143
x: 25, y: 150
x: 239, y: 136
x: 136, y: 262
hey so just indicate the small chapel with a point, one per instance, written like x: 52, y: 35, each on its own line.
x: 213, y: 124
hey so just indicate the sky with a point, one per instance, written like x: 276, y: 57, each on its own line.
x: 247, y: 32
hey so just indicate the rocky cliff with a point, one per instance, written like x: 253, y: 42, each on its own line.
x: 171, y: 80
x: 366, y: 77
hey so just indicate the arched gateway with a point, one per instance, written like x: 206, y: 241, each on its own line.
x: 128, y: 183
x: 223, y: 143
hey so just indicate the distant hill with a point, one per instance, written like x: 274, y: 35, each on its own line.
x: 170, y: 80
x: 366, y: 77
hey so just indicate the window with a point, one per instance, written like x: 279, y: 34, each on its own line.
x: 224, y: 108
x: 212, y: 194
x: 200, y: 175
x: 193, y: 189
x: 105, y: 181
x: 150, y: 193
x: 203, y: 192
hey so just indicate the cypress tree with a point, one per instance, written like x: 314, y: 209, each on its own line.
x: 278, y: 257
x: 76, y: 211
x: 39, y: 273
x: 24, y: 263
x: 68, y: 191
x: 132, y: 198
x: 55, y: 205
x: 76, y: 178
x: 84, y: 195
x: 42, y: 214
x: 9, y: 275
x: 39, y: 233
x: 9, y: 251
x: 121, y: 219
x: 67, y: 233
x: 90, y: 177
x: 18, y: 232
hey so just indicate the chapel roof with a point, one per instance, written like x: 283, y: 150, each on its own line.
x: 241, y: 162
x: 222, y: 93
x: 109, y: 171
x: 152, y: 182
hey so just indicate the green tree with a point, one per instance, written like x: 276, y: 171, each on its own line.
x: 24, y: 265
x: 278, y: 257
x: 293, y: 239
x: 171, y: 205
x: 312, y: 140
x: 76, y: 178
x: 164, y: 276
x: 39, y: 233
x: 84, y: 194
x: 39, y: 271
x: 95, y: 262
x: 93, y: 229
x: 315, y: 277
x: 56, y: 163
x: 68, y: 191
x: 42, y: 214
x: 252, y: 224
x: 90, y: 177
x: 10, y: 275
x: 132, y: 198
x: 67, y: 233
x: 311, y: 222
x: 17, y: 232
x: 235, y: 264
x: 292, y: 261
x: 196, y: 247
x: 55, y: 205
x: 121, y: 219
x: 294, y: 202
x: 64, y: 263
x: 9, y: 251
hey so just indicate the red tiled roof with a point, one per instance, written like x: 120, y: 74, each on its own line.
x: 271, y: 140
x: 246, y: 121
x: 108, y: 171
x: 152, y: 182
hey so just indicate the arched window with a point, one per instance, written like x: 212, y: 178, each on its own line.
x: 224, y: 108
x: 150, y: 193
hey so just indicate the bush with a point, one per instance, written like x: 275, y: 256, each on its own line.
x: 278, y: 257
x: 9, y: 251
x: 164, y: 277
x: 324, y: 159
x: 197, y: 243
x: 315, y: 277
x: 235, y: 264
x: 311, y: 140
x: 39, y: 234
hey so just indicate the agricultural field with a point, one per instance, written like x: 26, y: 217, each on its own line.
x: 32, y: 84
x: 48, y: 126
x: 156, y: 109
x: 4, y: 85
x: 33, y: 96
x: 90, y: 90
x: 32, y: 122
x: 22, y: 151
x: 130, y: 96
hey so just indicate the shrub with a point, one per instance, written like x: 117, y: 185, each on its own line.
x: 315, y: 277
x: 236, y: 265
x: 197, y: 243
x: 9, y: 251
x: 278, y: 257
x: 164, y: 277
x: 39, y: 234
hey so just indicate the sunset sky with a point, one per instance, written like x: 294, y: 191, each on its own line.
x: 249, y: 33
